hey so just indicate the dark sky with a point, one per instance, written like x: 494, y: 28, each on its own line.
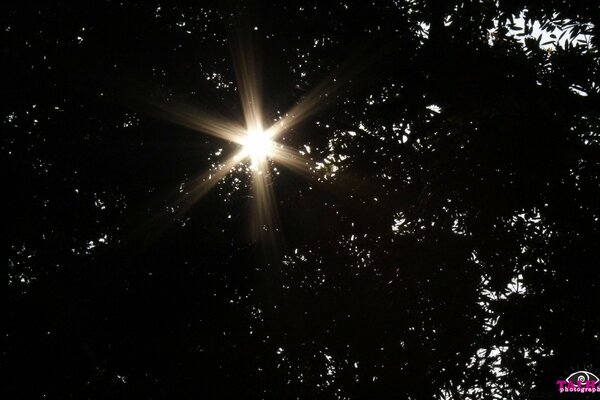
x: 301, y: 199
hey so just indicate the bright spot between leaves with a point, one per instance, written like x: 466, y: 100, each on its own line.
x: 257, y: 146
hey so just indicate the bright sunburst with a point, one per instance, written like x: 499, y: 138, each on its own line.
x: 257, y: 146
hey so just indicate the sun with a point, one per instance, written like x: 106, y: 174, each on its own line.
x: 259, y: 151
x: 257, y: 146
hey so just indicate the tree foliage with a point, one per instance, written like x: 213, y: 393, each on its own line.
x: 444, y: 242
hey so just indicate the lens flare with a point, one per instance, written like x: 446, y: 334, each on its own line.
x: 259, y: 143
x: 257, y: 146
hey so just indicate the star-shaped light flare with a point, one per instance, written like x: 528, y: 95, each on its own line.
x: 258, y: 145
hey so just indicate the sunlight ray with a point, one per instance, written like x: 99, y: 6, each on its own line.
x: 201, y: 185
x: 202, y: 122
x: 291, y: 159
x: 265, y: 219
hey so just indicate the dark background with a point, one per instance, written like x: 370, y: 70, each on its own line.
x: 115, y: 290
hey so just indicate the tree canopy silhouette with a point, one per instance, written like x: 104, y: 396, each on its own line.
x: 442, y: 240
